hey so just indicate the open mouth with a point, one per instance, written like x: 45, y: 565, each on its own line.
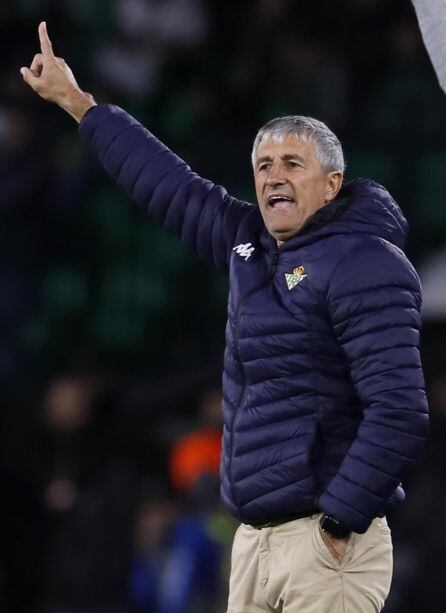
x: 280, y: 201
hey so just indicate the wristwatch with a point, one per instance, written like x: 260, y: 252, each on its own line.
x: 334, y: 527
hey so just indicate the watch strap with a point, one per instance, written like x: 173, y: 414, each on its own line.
x: 334, y: 527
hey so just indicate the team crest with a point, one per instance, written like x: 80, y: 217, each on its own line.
x: 295, y: 278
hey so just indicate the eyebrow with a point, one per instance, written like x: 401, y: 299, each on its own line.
x: 285, y: 156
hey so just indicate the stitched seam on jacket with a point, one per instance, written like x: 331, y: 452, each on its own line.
x: 218, y: 215
x: 160, y: 180
x: 366, y: 489
x: 105, y: 117
x: 279, y: 399
x: 298, y: 394
x: 116, y: 136
x: 91, y: 132
x: 133, y: 152
x: 386, y: 286
x: 381, y: 349
x: 389, y: 328
x: 232, y: 405
x: 391, y: 408
x: 276, y: 489
x: 197, y: 221
x: 370, y: 354
x: 229, y: 375
x: 398, y: 389
x: 306, y: 368
x: 285, y: 355
x: 276, y: 421
x: 351, y: 252
x: 397, y: 453
x: 394, y: 429
x: 347, y: 504
x: 257, y: 448
x: 291, y: 375
x: 297, y: 332
x: 380, y: 468
x: 374, y: 309
x: 259, y: 470
x: 386, y: 370
x: 186, y: 189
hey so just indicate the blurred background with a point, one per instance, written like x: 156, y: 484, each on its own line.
x: 112, y: 334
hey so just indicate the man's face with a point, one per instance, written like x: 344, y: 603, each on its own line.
x: 291, y: 185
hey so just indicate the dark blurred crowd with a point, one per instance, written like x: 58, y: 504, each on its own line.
x: 96, y: 518
x: 112, y: 333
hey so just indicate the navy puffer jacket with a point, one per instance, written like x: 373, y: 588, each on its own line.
x: 324, y: 401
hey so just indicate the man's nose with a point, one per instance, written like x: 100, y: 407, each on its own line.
x: 275, y: 177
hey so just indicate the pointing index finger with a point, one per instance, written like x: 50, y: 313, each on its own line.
x: 45, y: 43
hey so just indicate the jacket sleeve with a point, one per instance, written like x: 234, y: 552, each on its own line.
x: 374, y: 301
x: 200, y: 213
x: 432, y: 20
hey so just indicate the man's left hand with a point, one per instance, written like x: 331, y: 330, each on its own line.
x: 51, y: 78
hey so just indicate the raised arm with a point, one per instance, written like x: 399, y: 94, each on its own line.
x: 199, y: 212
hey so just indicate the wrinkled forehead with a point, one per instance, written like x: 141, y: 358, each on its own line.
x: 270, y: 144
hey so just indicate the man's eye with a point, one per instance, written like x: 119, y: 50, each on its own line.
x: 263, y: 166
x: 293, y: 164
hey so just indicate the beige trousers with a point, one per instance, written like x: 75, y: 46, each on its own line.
x: 288, y: 569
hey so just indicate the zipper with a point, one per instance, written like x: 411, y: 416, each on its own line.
x: 237, y: 349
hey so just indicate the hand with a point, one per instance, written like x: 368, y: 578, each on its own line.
x: 51, y: 78
x: 337, y: 547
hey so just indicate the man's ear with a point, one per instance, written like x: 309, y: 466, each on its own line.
x: 333, y: 184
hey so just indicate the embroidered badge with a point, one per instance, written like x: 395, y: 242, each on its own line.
x: 295, y: 278
x: 244, y: 250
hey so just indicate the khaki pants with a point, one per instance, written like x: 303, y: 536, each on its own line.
x: 288, y: 569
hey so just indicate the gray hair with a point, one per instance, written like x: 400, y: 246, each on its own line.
x: 327, y: 146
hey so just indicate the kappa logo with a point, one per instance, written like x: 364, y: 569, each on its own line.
x: 245, y: 250
x: 295, y: 278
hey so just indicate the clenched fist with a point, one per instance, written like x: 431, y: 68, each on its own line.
x: 51, y: 78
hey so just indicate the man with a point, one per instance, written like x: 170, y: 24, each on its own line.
x: 324, y: 403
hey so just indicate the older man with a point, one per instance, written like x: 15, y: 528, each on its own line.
x: 324, y: 401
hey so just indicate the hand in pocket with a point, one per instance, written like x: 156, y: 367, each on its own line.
x: 337, y: 547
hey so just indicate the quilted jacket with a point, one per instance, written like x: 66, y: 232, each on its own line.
x: 324, y: 402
